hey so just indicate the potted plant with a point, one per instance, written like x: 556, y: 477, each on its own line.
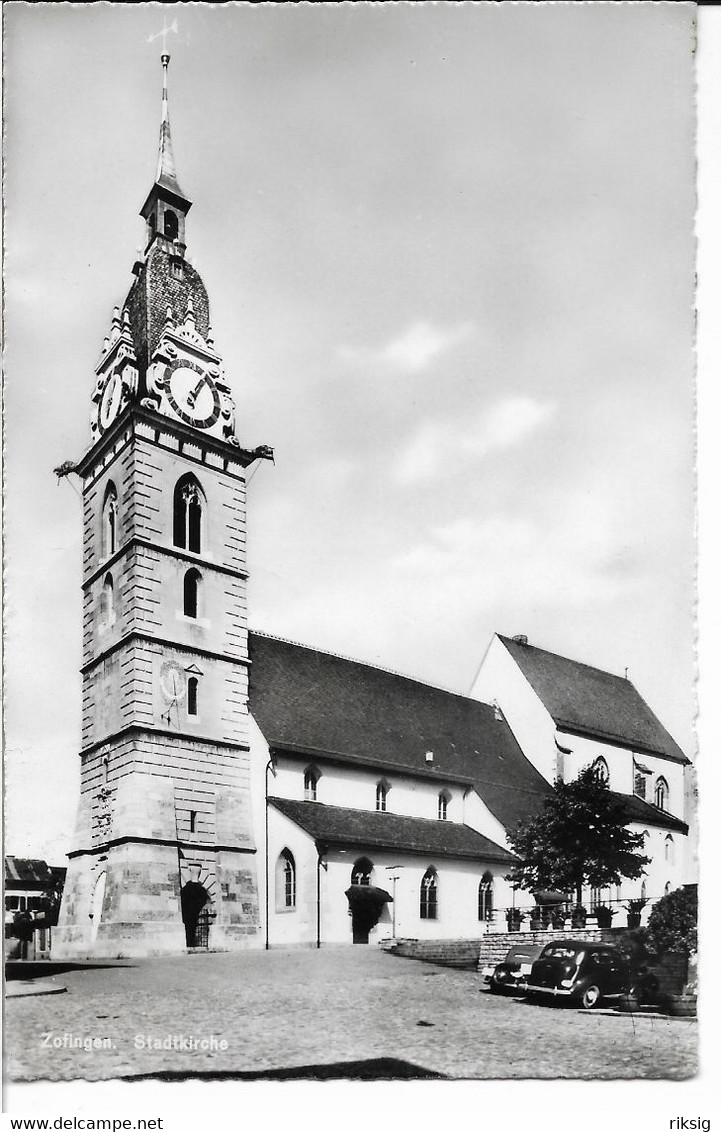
x: 513, y: 919
x: 558, y: 918
x: 578, y: 916
x: 536, y: 920
x: 603, y: 915
x: 634, y: 909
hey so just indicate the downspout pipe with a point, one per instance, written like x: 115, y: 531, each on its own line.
x: 270, y: 765
x: 322, y: 849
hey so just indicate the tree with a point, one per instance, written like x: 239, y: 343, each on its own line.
x: 579, y: 837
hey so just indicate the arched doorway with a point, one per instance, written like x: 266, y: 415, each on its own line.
x: 195, y: 906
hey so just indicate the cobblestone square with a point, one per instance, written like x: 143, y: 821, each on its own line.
x: 279, y: 1011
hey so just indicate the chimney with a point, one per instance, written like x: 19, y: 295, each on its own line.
x: 521, y: 638
x: 429, y: 757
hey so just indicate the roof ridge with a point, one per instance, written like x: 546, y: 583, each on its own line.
x: 571, y: 660
x: 368, y: 664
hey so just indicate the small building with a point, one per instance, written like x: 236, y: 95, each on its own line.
x: 32, y: 890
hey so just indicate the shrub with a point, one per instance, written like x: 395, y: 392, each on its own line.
x: 672, y: 925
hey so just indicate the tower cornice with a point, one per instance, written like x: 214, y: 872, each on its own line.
x: 162, y: 548
x: 139, y: 415
x: 163, y: 642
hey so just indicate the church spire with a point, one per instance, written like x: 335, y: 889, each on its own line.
x: 166, y: 205
x: 166, y: 175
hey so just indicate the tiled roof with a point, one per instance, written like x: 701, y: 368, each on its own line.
x: 318, y: 703
x: 368, y: 829
x: 29, y: 872
x: 588, y: 701
x: 640, y: 811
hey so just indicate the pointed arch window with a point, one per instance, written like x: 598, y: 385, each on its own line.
x: 361, y: 871
x: 188, y: 501
x: 660, y: 793
x: 285, y: 881
x: 600, y: 770
x: 429, y: 895
x: 382, y: 796
x: 310, y: 784
x: 109, y: 536
x: 443, y: 800
x: 669, y: 850
x: 485, y: 898
x: 191, y: 593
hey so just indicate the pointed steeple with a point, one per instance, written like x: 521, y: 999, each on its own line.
x: 166, y: 175
x: 166, y: 205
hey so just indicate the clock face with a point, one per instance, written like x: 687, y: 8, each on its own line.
x: 192, y: 393
x: 172, y: 680
x: 110, y: 400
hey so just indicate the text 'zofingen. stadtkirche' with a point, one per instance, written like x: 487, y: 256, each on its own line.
x: 239, y: 790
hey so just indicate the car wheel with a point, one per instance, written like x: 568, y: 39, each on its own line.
x: 590, y: 997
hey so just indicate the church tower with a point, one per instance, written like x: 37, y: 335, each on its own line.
x: 163, y: 856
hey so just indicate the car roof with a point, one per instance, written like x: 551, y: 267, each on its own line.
x: 585, y: 943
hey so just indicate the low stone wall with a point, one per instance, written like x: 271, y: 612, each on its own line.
x: 461, y: 953
x: 493, y: 948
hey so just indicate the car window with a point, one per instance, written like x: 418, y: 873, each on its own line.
x: 557, y: 952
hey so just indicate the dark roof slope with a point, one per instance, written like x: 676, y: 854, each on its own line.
x: 640, y: 811
x: 319, y: 704
x: 339, y: 825
x: 591, y: 702
x: 30, y: 872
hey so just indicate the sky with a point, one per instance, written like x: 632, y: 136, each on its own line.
x: 450, y: 258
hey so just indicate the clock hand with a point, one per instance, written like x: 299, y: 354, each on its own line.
x: 193, y: 395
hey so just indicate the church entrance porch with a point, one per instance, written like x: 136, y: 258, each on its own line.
x: 365, y: 902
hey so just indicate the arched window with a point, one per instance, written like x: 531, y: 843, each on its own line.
x: 285, y: 881
x: 187, y: 514
x: 485, y: 897
x: 443, y: 799
x: 669, y: 850
x: 660, y: 794
x: 170, y: 225
x: 643, y: 889
x: 361, y: 871
x: 429, y: 895
x: 107, y: 602
x: 600, y: 769
x: 382, y: 796
x: 310, y: 784
x: 109, y: 536
x: 193, y: 695
x: 191, y: 593
x: 667, y: 888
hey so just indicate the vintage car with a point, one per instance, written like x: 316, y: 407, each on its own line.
x: 579, y: 972
x: 509, y: 977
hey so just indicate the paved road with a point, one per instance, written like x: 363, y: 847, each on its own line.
x: 281, y: 1010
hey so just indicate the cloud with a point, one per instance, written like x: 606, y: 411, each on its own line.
x: 412, y: 351
x: 506, y: 423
